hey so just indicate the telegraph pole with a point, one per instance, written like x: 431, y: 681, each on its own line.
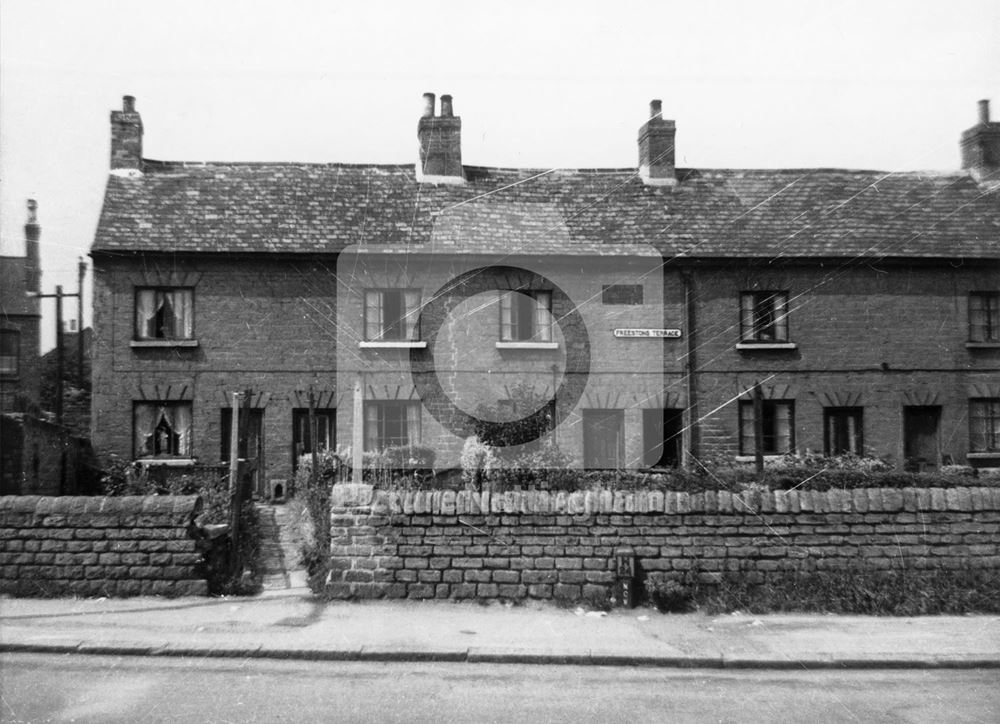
x: 59, y: 296
x: 81, y: 269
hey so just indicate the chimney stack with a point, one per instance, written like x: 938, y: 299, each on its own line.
x: 440, y: 139
x: 981, y: 147
x: 126, y: 137
x: 656, y: 148
x: 32, y: 263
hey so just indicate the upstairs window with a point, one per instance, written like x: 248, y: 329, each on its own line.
x: 10, y: 351
x: 777, y: 423
x: 391, y: 315
x: 164, y: 313
x: 764, y: 317
x: 391, y: 423
x: 984, y: 425
x: 161, y: 429
x: 526, y: 316
x: 984, y: 317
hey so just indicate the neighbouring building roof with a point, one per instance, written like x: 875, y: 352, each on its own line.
x: 713, y: 213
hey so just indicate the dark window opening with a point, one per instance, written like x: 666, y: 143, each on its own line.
x: 10, y: 351
x: 777, y: 424
x: 391, y: 423
x: 984, y: 317
x: 984, y: 425
x: 391, y: 315
x: 326, y: 432
x: 161, y: 429
x: 764, y: 316
x: 843, y: 431
x: 164, y: 314
x: 526, y: 316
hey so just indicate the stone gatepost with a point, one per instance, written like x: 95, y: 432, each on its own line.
x: 360, y: 545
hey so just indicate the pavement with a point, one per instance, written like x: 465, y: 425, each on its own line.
x: 292, y: 624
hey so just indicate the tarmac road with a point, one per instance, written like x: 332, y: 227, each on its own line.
x: 81, y: 688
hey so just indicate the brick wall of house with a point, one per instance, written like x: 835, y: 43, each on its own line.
x: 20, y: 392
x: 563, y: 546
x: 93, y: 546
x: 879, y: 337
x: 876, y: 336
x: 261, y: 324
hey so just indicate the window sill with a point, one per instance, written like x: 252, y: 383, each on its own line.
x: 982, y: 345
x: 168, y: 462
x: 765, y: 346
x: 161, y: 343
x: 767, y: 457
x: 392, y: 345
x: 527, y: 345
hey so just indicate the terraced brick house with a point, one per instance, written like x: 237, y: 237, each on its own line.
x: 644, y: 303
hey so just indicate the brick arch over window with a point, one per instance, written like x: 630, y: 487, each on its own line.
x: 770, y: 392
x: 921, y: 397
x: 839, y: 398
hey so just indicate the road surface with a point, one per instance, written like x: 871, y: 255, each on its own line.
x: 76, y: 688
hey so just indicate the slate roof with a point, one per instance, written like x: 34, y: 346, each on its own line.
x: 713, y: 213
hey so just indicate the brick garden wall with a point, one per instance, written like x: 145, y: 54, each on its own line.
x: 91, y: 546
x: 562, y: 546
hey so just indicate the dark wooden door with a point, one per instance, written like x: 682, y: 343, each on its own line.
x: 603, y: 439
x: 921, y: 443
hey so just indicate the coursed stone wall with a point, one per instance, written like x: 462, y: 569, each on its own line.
x: 90, y: 546
x: 564, y: 546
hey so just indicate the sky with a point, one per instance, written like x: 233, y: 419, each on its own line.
x: 868, y: 84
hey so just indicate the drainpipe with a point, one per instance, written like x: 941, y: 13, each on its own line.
x: 690, y: 417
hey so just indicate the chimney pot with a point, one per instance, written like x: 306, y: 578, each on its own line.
x: 32, y: 209
x: 980, y: 148
x: 656, y: 148
x: 440, y: 140
x: 126, y: 138
x: 428, y: 105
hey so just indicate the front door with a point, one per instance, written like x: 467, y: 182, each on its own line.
x: 603, y: 439
x: 251, y: 443
x: 921, y: 445
x: 662, y: 432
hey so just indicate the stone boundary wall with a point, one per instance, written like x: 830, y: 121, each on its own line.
x: 97, y: 546
x: 516, y: 545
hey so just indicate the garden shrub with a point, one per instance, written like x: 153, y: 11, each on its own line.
x: 330, y: 469
x: 900, y: 591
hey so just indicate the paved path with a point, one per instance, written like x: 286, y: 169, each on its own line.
x: 281, y: 560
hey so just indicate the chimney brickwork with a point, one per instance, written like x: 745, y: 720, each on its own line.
x: 981, y: 147
x: 440, y: 139
x: 126, y: 137
x: 32, y: 262
x: 656, y: 148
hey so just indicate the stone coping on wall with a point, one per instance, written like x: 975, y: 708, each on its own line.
x: 600, y: 501
x: 100, y: 511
